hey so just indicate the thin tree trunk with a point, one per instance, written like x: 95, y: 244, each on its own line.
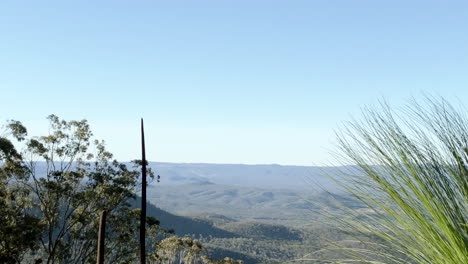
x: 101, y: 238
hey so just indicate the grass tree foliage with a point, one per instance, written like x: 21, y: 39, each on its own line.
x: 413, y: 175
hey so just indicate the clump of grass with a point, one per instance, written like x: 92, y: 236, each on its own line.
x: 412, y: 173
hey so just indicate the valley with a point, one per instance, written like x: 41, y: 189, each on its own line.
x: 257, y: 221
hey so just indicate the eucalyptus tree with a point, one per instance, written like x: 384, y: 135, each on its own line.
x: 66, y: 178
x: 53, y: 189
x: 19, y: 231
x: 177, y: 250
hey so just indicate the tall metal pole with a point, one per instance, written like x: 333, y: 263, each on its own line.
x: 143, y: 198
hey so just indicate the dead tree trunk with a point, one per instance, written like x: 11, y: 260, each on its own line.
x: 101, y: 238
x: 143, y: 199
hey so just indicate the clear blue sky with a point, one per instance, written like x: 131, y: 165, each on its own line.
x: 225, y: 81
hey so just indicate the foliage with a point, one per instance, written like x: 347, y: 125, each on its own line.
x: 413, y: 176
x: 177, y: 250
x: 50, y: 213
x: 19, y: 231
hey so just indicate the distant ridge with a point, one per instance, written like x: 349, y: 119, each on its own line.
x: 261, y: 175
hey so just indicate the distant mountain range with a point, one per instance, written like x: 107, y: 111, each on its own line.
x: 242, y: 192
x: 260, y: 176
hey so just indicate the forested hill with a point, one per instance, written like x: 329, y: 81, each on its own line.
x: 216, y: 236
x: 253, y: 242
x: 182, y: 225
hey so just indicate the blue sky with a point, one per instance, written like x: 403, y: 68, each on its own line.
x: 225, y: 81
